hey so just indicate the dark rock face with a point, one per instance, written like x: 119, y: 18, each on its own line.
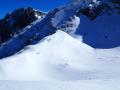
x: 16, y: 21
x: 116, y: 1
x: 93, y: 10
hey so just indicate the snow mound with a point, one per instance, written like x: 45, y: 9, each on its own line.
x: 52, y: 58
x: 60, y: 57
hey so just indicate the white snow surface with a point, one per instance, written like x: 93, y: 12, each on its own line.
x: 61, y: 62
x: 50, y: 59
x: 77, y: 85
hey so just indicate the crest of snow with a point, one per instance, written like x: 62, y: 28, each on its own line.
x: 57, y: 53
x: 61, y: 57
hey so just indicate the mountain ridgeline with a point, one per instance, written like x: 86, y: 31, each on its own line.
x: 96, y: 21
x: 17, y: 20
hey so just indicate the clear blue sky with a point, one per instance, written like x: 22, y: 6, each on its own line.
x: 44, y: 5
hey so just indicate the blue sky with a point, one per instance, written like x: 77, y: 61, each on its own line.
x: 44, y: 5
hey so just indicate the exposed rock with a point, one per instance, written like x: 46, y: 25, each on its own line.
x: 95, y: 9
x: 16, y: 21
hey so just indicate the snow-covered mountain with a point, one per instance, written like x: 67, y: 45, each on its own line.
x: 79, y: 41
x: 97, y: 22
x: 14, y: 22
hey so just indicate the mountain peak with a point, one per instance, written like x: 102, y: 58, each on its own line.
x: 17, y: 20
x: 97, y: 22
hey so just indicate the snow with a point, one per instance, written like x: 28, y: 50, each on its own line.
x: 38, y: 16
x: 66, y: 12
x: 60, y: 55
x: 40, y: 28
x: 47, y: 59
x: 70, y: 25
x: 79, y: 85
x: 61, y: 62
x: 103, y: 32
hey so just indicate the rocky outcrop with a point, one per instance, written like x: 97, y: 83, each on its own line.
x: 16, y: 21
x: 94, y: 9
x: 116, y: 1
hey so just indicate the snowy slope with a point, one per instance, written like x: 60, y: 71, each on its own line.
x: 29, y: 35
x: 96, y: 21
x: 100, y: 32
x: 103, y: 32
x: 47, y: 59
x: 61, y: 62
x: 77, y: 85
x: 43, y: 61
x: 58, y: 56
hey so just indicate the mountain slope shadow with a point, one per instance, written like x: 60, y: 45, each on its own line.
x: 102, y: 32
x: 100, y: 27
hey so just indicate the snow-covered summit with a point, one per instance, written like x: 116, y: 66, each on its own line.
x: 97, y: 22
x: 44, y: 60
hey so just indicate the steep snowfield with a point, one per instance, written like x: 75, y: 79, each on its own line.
x: 61, y: 62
